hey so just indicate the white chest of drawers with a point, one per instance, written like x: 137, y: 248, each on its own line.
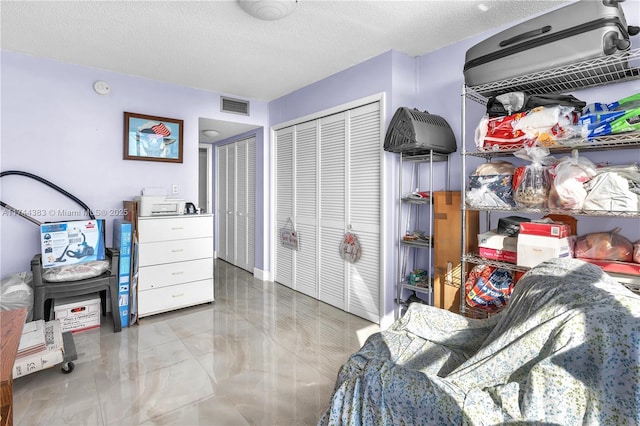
x: 175, y: 262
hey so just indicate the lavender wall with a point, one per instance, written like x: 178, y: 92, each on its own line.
x: 55, y: 126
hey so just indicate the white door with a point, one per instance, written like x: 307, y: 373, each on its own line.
x: 306, y: 207
x: 245, y: 203
x: 284, y: 203
x: 364, y: 203
x: 333, y: 201
x: 223, y: 184
x: 328, y: 175
x: 236, y: 203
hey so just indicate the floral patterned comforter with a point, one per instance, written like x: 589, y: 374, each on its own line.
x: 566, y: 351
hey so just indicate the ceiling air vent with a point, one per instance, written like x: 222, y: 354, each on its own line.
x: 235, y: 106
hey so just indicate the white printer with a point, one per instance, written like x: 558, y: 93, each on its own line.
x: 159, y: 205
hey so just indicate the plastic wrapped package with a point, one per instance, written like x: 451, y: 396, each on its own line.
x: 490, y: 185
x: 567, y: 181
x: 604, y: 246
x: 531, y: 182
x: 636, y: 251
x: 490, y: 191
x: 75, y: 272
x: 489, y: 288
x: 16, y: 291
x: 541, y: 126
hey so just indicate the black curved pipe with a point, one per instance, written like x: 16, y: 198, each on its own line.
x: 51, y: 185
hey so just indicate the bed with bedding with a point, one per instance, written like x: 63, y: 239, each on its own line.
x: 565, y: 351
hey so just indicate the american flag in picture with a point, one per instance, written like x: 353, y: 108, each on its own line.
x: 161, y: 129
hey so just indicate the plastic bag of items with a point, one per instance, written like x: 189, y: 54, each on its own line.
x: 599, y: 119
x: 489, y: 288
x: 604, y: 246
x: 541, y: 126
x: 531, y: 183
x: 490, y: 185
x: 567, y: 181
x: 513, y: 102
x: 76, y: 272
x: 614, y: 188
x: 16, y: 291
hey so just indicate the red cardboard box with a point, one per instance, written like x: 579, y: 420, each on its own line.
x: 500, y: 255
x: 556, y: 230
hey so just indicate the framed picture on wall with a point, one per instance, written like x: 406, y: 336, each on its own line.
x: 151, y: 138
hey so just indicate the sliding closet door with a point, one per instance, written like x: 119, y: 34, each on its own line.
x: 284, y: 267
x: 305, y: 207
x: 332, y: 189
x: 364, y: 195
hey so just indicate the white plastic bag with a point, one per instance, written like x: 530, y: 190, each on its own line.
x: 610, y: 191
x: 16, y: 291
x: 568, y: 179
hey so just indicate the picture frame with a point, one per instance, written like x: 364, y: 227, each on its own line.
x: 152, y: 138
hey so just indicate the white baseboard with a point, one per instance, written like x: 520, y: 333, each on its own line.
x: 262, y: 275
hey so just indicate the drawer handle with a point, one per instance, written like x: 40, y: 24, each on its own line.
x: 177, y: 229
x: 177, y: 273
x: 178, y: 295
x: 177, y: 250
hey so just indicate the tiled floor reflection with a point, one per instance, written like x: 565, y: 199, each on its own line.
x: 262, y: 354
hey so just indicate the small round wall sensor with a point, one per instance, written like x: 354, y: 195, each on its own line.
x: 101, y: 87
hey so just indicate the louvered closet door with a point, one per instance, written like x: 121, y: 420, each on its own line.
x: 332, y: 217
x: 284, y: 203
x: 364, y: 201
x: 223, y: 181
x: 251, y: 204
x: 245, y: 203
x: 306, y: 206
x: 230, y: 213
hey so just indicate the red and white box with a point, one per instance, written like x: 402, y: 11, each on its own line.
x: 78, y: 313
x: 546, y: 229
x: 499, y: 247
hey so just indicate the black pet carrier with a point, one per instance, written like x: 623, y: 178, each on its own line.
x: 413, y: 132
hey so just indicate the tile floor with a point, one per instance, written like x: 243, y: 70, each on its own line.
x: 262, y: 354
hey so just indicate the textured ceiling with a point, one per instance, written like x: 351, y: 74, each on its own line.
x: 216, y: 46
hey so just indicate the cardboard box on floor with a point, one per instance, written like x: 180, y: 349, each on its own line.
x: 447, y: 234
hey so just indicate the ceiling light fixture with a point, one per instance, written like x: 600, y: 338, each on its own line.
x: 268, y: 10
x: 210, y: 133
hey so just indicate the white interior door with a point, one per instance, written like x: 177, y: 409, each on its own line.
x: 333, y: 200
x: 283, y: 144
x: 236, y: 203
x: 364, y: 195
x: 245, y: 203
x: 223, y: 185
x: 306, y: 207
x: 328, y: 174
